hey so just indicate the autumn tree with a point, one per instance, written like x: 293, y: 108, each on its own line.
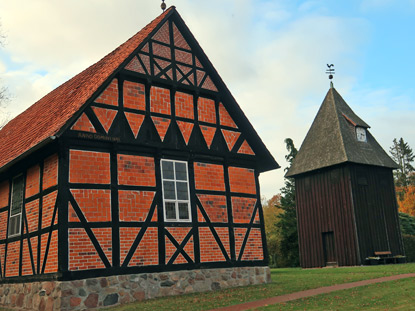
x: 287, y: 224
x: 271, y: 212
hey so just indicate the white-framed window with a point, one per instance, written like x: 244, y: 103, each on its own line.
x: 15, y: 220
x: 175, y: 184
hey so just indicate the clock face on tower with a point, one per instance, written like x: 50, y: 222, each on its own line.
x: 361, y: 134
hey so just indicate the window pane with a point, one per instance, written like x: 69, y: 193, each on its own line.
x: 181, y: 171
x: 17, y: 195
x: 170, y: 210
x: 184, y: 211
x: 167, y: 168
x: 182, y: 191
x: 14, y: 225
x: 169, y: 193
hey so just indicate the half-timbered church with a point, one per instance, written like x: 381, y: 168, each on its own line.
x: 345, y: 194
x: 141, y: 165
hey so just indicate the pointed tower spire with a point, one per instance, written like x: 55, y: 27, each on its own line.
x: 332, y: 139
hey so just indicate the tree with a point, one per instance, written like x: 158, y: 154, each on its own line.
x: 403, y: 155
x: 287, y: 224
x: 4, y: 98
x: 407, y: 202
x: 271, y: 212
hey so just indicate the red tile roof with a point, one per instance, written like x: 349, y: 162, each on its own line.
x: 49, y: 115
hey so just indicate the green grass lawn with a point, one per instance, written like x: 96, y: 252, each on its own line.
x: 393, y: 295
x: 284, y: 281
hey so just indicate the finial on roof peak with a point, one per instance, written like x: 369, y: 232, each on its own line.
x: 330, y: 72
x: 163, y: 6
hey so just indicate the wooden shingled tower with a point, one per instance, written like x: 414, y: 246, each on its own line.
x: 346, y: 204
x: 142, y: 163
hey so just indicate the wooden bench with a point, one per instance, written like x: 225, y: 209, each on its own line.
x: 385, y: 256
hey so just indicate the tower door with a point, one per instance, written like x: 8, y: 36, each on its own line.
x: 329, y: 249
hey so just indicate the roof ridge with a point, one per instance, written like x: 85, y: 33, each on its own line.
x: 338, y: 114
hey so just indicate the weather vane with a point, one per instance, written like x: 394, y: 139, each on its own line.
x: 163, y: 5
x: 330, y: 71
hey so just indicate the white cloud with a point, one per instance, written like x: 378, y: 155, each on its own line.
x: 271, y: 57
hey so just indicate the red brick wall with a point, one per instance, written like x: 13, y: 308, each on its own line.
x: 179, y: 234
x: 47, y: 210
x: 105, y: 116
x: 253, y: 248
x: 83, y: 124
x: 206, y: 110
x: 184, y: 105
x: 239, y: 234
x: 162, y: 125
x: 50, y: 172
x: 89, y: 167
x: 104, y: 238
x: 246, y: 149
x: 209, y: 249
x: 147, y: 251
x: 225, y: 118
x: 4, y: 201
x: 4, y: 193
x: 32, y: 214
x: 26, y: 260
x: 242, y: 209
x: 242, y: 180
x: 12, y: 264
x: 94, y: 204
x: 209, y: 176
x: 134, y: 95
x: 160, y: 100
x: 134, y: 205
x: 32, y: 181
x: 136, y: 170
x: 110, y: 95
x: 3, y: 225
x: 215, y: 207
x: 230, y: 137
x: 127, y: 237
x: 82, y: 253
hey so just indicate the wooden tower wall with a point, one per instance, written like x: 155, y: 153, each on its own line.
x: 316, y: 218
x: 34, y: 252
x: 376, y: 210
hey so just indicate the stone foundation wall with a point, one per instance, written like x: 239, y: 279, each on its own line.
x: 123, y: 289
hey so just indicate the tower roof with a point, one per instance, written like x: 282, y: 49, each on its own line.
x: 332, y: 140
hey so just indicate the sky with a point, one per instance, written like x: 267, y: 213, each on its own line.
x: 272, y: 55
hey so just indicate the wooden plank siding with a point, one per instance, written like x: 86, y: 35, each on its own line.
x: 324, y: 205
x: 376, y: 210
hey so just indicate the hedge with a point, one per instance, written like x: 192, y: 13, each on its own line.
x: 409, y: 244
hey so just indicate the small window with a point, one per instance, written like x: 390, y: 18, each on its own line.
x: 175, y: 183
x: 16, y: 206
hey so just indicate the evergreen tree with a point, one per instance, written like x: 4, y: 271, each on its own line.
x: 403, y: 155
x: 287, y: 225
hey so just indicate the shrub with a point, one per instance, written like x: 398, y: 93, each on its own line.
x: 409, y: 244
x: 407, y: 223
